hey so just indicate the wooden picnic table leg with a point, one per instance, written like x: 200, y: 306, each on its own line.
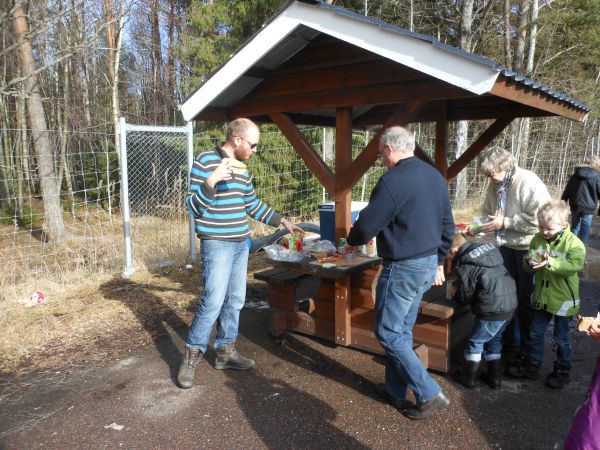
x: 343, y: 335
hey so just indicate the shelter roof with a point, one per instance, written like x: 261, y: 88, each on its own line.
x: 311, y: 58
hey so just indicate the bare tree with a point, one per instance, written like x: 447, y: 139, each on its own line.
x: 53, y: 220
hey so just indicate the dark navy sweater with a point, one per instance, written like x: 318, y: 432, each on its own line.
x: 409, y: 211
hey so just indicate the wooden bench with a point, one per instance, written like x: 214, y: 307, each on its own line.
x: 440, y: 326
x: 305, y: 303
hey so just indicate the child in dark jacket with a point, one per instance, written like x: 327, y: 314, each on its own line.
x: 485, y: 284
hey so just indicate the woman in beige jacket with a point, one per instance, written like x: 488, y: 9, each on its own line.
x: 513, y: 198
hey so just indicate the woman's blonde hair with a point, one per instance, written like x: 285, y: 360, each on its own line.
x: 554, y: 211
x: 497, y: 160
x: 593, y: 162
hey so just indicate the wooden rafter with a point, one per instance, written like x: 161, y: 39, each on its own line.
x: 476, y: 147
x: 311, y: 158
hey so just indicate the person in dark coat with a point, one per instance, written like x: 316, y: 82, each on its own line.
x: 582, y: 192
x: 483, y: 282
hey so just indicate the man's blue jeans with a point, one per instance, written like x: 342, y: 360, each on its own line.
x: 581, y: 223
x: 224, y: 266
x: 561, y: 337
x: 400, y: 287
x: 485, y: 338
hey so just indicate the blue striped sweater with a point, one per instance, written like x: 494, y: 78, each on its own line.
x: 222, y: 212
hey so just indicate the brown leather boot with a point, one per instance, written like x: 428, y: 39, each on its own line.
x: 229, y: 358
x: 185, y: 378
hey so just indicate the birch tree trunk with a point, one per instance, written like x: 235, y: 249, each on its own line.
x: 519, y: 66
x: 114, y: 61
x: 53, y: 221
x: 507, y: 35
x: 526, y: 121
x: 462, y: 127
x: 5, y: 144
x: 156, y: 93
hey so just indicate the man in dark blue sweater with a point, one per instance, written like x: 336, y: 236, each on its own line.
x: 410, y: 213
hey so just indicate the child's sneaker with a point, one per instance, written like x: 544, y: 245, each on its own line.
x: 559, y: 377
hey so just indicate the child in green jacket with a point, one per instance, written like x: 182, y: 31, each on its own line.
x: 556, y: 255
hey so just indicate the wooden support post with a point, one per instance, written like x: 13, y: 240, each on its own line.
x: 441, y: 140
x: 343, y: 333
x: 343, y: 159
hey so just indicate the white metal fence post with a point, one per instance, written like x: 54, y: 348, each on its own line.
x: 190, y: 126
x: 128, y: 270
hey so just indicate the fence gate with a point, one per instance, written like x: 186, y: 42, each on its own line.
x: 155, y: 164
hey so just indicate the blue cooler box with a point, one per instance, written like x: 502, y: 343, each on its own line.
x: 327, y: 218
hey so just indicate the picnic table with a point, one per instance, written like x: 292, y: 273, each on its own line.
x: 337, y: 304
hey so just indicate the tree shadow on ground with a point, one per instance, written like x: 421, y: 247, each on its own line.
x: 286, y: 417
x: 290, y: 348
x: 153, y: 314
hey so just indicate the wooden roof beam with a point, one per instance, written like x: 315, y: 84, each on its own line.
x: 340, y: 77
x: 339, y: 98
x: 506, y: 88
x: 311, y: 158
x: 476, y: 147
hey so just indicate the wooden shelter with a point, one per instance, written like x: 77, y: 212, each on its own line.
x: 317, y: 64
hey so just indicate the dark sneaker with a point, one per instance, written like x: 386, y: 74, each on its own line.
x: 559, y: 377
x: 229, y: 358
x: 185, y: 378
x: 400, y: 405
x: 426, y: 409
x: 524, y: 371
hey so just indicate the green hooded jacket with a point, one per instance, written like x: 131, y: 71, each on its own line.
x: 557, y: 283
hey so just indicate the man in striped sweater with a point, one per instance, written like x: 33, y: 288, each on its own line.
x: 220, y: 199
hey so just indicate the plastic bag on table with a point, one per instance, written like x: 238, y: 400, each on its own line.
x: 280, y: 253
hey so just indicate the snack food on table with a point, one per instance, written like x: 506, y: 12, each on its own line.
x: 584, y: 323
x: 236, y: 166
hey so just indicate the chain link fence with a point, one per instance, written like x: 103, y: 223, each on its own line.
x: 155, y: 163
x: 87, y: 169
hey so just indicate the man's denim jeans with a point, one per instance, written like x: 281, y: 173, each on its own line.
x: 581, y: 223
x: 224, y: 266
x: 485, y: 338
x: 400, y: 288
x: 561, y: 338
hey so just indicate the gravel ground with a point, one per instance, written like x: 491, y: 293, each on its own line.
x: 304, y: 393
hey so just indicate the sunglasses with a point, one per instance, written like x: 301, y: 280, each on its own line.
x: 252, y: 146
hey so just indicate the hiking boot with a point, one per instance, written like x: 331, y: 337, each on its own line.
x: 559, y: 377
x: 426, y: 409
x: 229, y: 358
x: 528, y: 370
x: 400, y: 405
x: 493, y: 377
x: 191, y: 356
x: 467, y: 373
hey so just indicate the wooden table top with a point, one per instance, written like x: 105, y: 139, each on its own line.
x: 343, y: 266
